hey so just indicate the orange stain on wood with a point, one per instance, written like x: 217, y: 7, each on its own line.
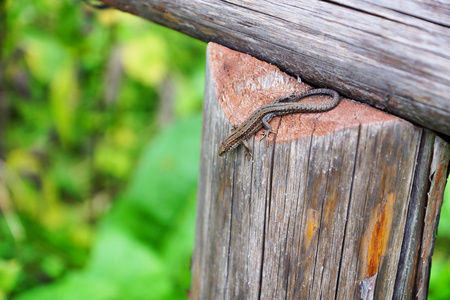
x: 312, y: 224
x: 376, y: 237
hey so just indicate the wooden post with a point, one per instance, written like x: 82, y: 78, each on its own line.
x: 336, y: 205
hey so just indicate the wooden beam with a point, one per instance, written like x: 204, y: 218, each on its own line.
x: 336, y: 205
x: 393, y: 56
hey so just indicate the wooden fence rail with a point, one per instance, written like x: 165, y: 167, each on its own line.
x: 392, y: 55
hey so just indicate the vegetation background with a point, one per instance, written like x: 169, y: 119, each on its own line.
x: 100, y: 124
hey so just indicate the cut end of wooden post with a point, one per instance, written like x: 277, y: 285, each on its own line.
x: 244, y: 83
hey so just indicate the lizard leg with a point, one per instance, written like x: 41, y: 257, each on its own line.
x: 266, y: 125
x: 247, y: 147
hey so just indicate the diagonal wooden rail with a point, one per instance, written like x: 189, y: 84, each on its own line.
x: 392, y: 55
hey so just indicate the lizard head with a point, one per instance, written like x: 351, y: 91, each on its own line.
x: 228, y: 144
x: 224, y: 148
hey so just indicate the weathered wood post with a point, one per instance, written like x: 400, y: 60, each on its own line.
x: 342, y: 204
x: 331, y: 207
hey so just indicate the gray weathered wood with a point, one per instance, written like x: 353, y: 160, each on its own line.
x: 437, y: 178
x: 322, y: 210
x: 392, y: 55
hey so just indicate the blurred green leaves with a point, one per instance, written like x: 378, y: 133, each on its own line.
x: 440, y: 264
x: 44, y: 54
x: 143, y: 51
x: 82, y: 204
x: 9, y: 272
x: 143, y: 247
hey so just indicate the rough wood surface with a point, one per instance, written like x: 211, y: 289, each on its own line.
x: 322, y: 212
x: 437, y: 177
x: 392, y: 55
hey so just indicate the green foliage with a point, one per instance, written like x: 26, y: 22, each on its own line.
x: 440, y: 267
x: 143, y: 246
x: 97, y: 185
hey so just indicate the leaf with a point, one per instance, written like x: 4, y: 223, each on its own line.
x: 44, y: 55
x: 9, y: 273
x: 126, y: 265
x: 168, y: 171
x: 63, y: 101
x: 145, y: 59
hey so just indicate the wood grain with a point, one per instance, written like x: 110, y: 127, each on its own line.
x: 321, y: 215
x: 391, y: 55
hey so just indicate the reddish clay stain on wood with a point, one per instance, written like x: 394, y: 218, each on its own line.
x: 244, y: 83
x: 439, y: 173
x: 376, y: 237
